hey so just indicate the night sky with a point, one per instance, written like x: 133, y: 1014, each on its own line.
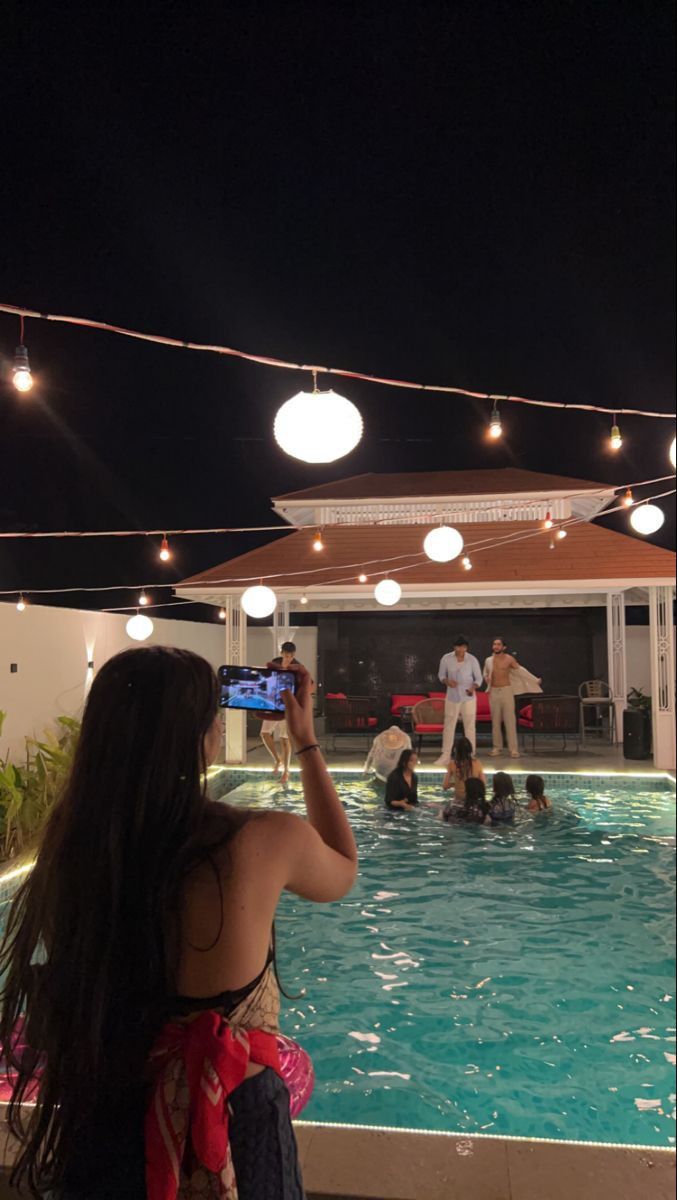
x: 479, y: 195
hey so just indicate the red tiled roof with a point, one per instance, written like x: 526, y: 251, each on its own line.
x: 590, y: 552
x: 507, y: 481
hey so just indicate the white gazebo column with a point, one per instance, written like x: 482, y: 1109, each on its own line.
x: 662, y: 677
x: 616, y: 654
x: 236, y: 655
x: 281, y: 630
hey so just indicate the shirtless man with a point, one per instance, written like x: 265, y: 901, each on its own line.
x: 272, y: 731
x: 497, y: 670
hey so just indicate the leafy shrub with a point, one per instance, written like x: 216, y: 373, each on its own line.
x: 28, y: 791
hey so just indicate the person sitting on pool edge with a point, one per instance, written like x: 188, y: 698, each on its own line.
x: 463, y: 766
x: 475, y: 807
x: 402, y: 783
x: 538, y: 801
x: 503, y: 803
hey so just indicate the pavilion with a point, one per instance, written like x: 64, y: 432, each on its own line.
x: 374, y: 524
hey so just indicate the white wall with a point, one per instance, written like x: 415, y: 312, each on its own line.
x: 261, y: 647
x: 51, y: 648
x: 638, y: 655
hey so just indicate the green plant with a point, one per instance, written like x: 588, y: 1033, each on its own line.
x: 28, y: 792
x: 638, y: 699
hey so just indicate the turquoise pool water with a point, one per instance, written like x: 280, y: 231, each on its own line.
x: 513, y: 981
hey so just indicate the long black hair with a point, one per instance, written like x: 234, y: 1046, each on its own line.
x: 101, y: 906
x: 475, y: 805
x: 403, y: 760
x: 463, y: 756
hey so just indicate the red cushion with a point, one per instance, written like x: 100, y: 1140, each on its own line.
x: 527, y: 712
x: 400, y: 701
x: 335, y: 696
x: 429, y: 728
x: 373, y: 721
x: 437, y: 695
x: 525, y: 724
x: 483, y: 708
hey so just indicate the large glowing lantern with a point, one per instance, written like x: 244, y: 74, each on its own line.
x: 139, y: 627
x: 443, y: 544
x: 388, y: 592
x: 259, y: 601
x: 647, y: 518
x: 318, y: 427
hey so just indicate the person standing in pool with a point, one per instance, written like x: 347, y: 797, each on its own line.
x: 463, y: 766
x: 402, y: 783
x: 460, y: 673
x: 272, y: 731
x: 535, y: 788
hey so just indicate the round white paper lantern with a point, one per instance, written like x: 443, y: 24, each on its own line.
x: 647, y: 518
x: 139, y: 627
x: 443, y: 544
x: 673, y: 452
x: 387, y: 592
x: 259, y: 601
x: 318, y: 427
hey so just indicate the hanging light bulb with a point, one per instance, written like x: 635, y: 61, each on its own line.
x: 673, y: 452
x: 21, y: 371
x: 615, y: 439
x: 362, y: 578
x: 552, y: 543
x: 318, y: 544
x: 443, y: 544
x: 628, y: 498
x: 139, y: 627
x: 388, y: 592
x: 647, y: 518
x: 466, y: 562
x: 143, y: 599
x: 495, y: 424
x: 304, y: 599
x: 548, y: 523
x: 318, y: 427
x: 21, y: 603
x: 222, y: 614
x: 561, y: 533
x: 165, y: 552
x: 259, y: 601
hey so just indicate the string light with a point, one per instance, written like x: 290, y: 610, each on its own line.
x: 222, y: 614
x: 318, y: 427
x: 552, y: 543
x: 259, y: 601
x: 495, y: 423
x: 647, y: 518
x: 615, y: 439
x: 387, y: 592
x: 628, y: 499
x: 561, y: 533
x: 21, y: 371
x: 362, y: 578
x: 165, y: 552
x: 466, y: 562
x: 139, y: 627
x: 318, y: 544
x: 143, y: 599
x: 304, y: 599
x: 21, y: 603
x: 673, y: 452
x: 548, y: 523
x: 443, y: 544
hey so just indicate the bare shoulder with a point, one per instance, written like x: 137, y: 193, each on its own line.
x: 269, y: 829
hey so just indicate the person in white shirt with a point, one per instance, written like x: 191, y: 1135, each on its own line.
x: 460, y: 673
x: 385, y: 752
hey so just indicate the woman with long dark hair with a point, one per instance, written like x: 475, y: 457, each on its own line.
x: 402, y: 783
x: 140, y: 1004
x: 464, y: 765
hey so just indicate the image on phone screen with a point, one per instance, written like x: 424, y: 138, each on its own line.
x: 258, y: 688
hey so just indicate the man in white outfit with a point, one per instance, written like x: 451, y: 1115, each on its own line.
x: 461, y: 675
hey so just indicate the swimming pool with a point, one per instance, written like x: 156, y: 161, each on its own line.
x: 515, y: 981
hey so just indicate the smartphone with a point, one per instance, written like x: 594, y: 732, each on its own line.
x: 257, y: 688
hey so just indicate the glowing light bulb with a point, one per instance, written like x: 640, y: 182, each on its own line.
x: 165, y: 552
x: 143, y: 599
x: 443, y: 544
x: 561, y: 534
x: 387, y: 592
x: 548, y: 523
x: 466, y: 563
x: 318, y: 544
x: 615, y: 439
x: 552, y: 543
x: 647, y: 518
x: 362, y: 578
x: 259, y: 601
x: 222, y: 614
x: 495, y: 424
x: 139, y: 627
x: 304, y: 599
x: 21, y: 603
x: 21, y: 371
x: 628, y: 499
x: 673, y: 452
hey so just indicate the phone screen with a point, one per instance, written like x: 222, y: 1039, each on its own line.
x: 256, y: 688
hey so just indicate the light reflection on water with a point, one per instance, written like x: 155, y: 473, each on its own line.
x: 515, y: 981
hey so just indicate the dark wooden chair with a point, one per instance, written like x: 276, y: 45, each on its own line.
x: 349, y: 715
x: 551, y: 716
